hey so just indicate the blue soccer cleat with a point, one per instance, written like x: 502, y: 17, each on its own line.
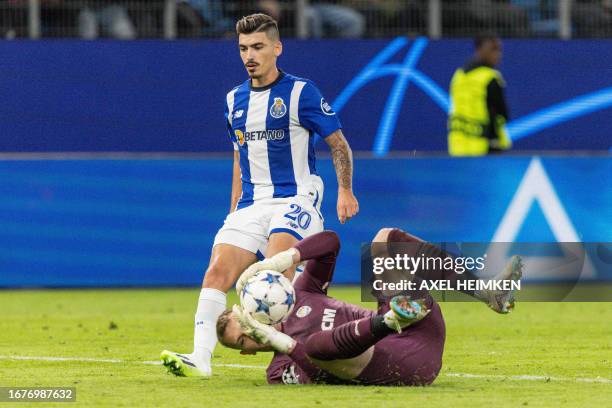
x: 404, y: 312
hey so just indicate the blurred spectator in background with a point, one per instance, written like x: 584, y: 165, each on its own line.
x: 543, y: 15
x: 478, y: 107
x: 13, y: 19
x: 462, y: 17
x: 216, y: 18
x: 333, y: 19
x: 394, y: 17
x: 107, y: 19
x: 126, y: 19
x: 500, y: 15
x: 203, y: 17
x: 57, y: 20
x: 592, y: 18
x: 246, y: 7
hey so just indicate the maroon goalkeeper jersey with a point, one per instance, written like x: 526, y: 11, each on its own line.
x: 314, y: 311
x: 411, y: 358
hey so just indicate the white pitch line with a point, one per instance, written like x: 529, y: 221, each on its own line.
x: 82, y: 359
x: 257, y: 367
x: 114, y: 360
x: 530, y: 377
x: 599, y: 380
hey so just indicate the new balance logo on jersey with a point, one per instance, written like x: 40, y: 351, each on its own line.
x: 328, y: 319
x: 238, y: 113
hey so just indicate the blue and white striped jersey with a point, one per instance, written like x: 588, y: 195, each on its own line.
x: 273, y: 129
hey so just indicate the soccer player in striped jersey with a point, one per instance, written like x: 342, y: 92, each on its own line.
x: 271, y: 119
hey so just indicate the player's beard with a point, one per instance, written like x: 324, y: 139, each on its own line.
x: 255, y: 73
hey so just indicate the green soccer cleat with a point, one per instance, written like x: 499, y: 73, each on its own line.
x: 404, y: 312
x: 182, y: 365
x: 502, y: 301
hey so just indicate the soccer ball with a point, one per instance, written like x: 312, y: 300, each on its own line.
x: 268, y: 296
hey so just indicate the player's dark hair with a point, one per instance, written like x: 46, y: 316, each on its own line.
x: 222, y: 322
x: 483, y: 38
x: 257, y: 23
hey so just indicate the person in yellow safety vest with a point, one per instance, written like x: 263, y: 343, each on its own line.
x: 478, y: 112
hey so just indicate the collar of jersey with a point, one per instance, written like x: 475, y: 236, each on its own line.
x: 281, y: 75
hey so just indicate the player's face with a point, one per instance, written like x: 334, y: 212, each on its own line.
x: 491, y: 52
x: 236, y: 339
x: 259, y: 53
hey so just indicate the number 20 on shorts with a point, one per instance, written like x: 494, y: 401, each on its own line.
x: 299, y: 215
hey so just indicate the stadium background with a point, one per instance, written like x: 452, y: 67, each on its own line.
x: 116, y: 165
x: 115, y: 171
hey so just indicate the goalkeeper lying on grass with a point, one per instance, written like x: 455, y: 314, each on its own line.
x: 328, y: 341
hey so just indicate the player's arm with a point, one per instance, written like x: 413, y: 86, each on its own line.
x: 236, y: 179
x: 342, y: 157
x: 307, y: 371
x: 278, y: 341
x: 236, y: 182
x: 320, y: 250
x: 318, y: 116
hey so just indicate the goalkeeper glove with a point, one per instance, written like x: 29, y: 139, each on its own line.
x: 279, y: 263
x: 262, y: 333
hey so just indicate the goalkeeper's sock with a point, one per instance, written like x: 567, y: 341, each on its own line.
x: 347, y: 340
x: 428, y: 250
x: 211, y: 304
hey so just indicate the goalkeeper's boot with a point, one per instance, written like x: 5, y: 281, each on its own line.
x: 502, y: 301
x: 183, y: 365
x: 404, y: 312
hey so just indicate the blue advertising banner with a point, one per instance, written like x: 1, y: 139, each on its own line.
x: 390, y: 94
x: 152, y: 222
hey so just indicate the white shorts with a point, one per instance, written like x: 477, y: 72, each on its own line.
x: 250, y: 227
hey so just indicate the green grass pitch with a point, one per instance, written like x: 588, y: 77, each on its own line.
x: 541, y: 355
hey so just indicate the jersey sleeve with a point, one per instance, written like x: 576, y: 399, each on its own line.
x: 315, y: 113
x: 295, y: 368
x: 228, y: 125
x: 321, y: 251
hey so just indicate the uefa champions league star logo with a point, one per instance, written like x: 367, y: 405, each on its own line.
x: 278, y: 108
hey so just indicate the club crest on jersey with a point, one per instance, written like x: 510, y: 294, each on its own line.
x: 278, y: 108
x: 303, y: 311
x: 239, y: 136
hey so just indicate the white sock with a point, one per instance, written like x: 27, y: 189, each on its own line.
x: 211, y: 304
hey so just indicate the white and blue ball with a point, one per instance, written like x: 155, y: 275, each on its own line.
x: 268, y: 296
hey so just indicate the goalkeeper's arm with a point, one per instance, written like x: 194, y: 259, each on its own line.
x: 280, y: 342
